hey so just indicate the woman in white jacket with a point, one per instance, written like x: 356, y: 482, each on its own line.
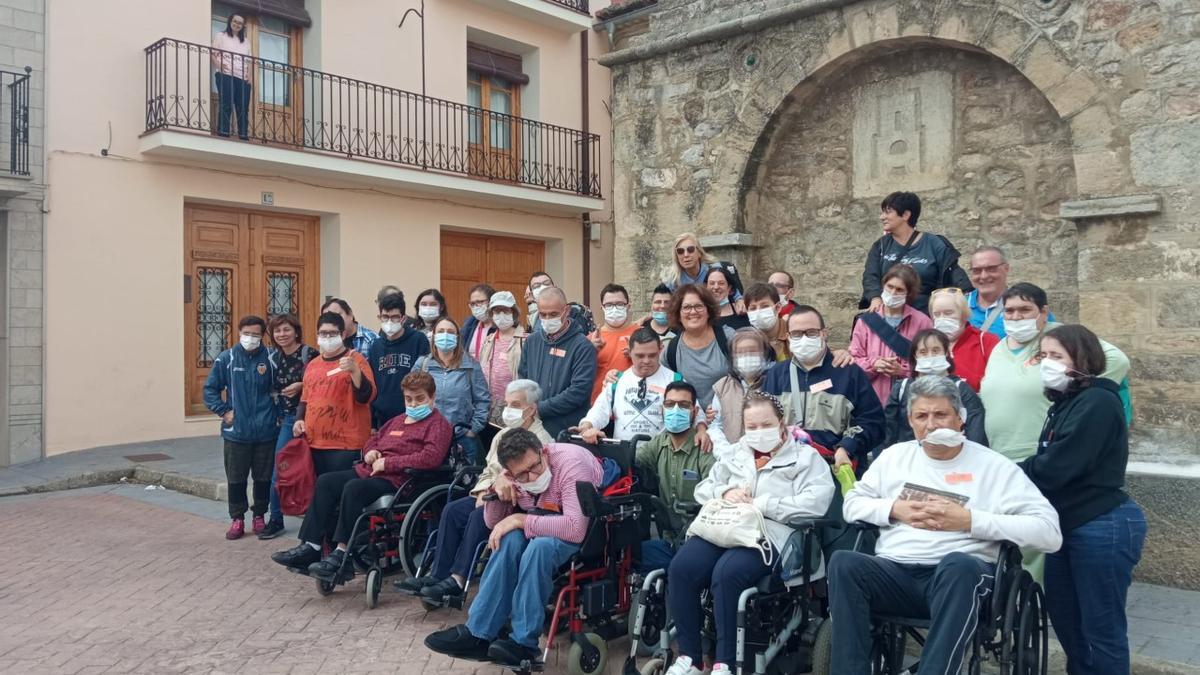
x: 785, y: 481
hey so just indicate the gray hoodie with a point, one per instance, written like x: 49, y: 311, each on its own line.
x: 565, y: 367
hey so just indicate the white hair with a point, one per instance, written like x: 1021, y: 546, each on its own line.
x: 531, y: 390
x: 937, y: 386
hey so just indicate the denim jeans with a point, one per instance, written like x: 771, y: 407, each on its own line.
x: 233, y: 92
x: 1086, y: 584
x: 518, y: 581
x: 285, y: 435
x: 470, y: 446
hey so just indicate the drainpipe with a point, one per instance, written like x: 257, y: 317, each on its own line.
x: 585, y: 219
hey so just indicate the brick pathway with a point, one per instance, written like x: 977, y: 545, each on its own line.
x: 99, y: 582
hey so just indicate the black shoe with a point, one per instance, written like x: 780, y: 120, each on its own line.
x: 274, y: 529
x: 333, y: 568
x: 416, y: 584
x: 446, y: 588
x: 299, y: 557
x: 510, y: 653
x: 458, y: 643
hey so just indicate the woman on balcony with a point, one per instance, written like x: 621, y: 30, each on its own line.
x: 231, y: 55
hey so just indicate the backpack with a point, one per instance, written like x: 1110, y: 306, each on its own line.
x: 295, y: 477
x: 673, y: 347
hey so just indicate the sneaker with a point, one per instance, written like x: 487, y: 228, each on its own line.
x: 273, y: 529
x: 298, y: 557
x: 446, y: 588
x: 509, y: 652
x: 259, y: 524
x: 457, y: 642
x: 720, y: 669
x: 333, y: 568
x: 683, y: 666
x: 236, y: 529
x: 416, y: 584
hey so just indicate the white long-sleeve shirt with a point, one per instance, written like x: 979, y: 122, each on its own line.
x: 1004, y: 504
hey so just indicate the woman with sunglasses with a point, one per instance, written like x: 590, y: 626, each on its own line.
x: 690, y: 265
x: 971, y: 348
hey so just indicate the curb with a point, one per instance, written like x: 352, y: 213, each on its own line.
x: 207, y: 488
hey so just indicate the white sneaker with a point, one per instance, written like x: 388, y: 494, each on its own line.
x: 683, y: 666
x: 721, y: 669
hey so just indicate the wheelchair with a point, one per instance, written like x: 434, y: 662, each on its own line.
x: 1013, y: 628
x: 377, y: 545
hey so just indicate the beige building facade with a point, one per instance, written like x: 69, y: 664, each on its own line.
x: 161, y: 232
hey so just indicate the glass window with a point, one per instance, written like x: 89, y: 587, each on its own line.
x: 273, y: 76
x: 214, y: 313
x: 474, y: 99
x: 281, y: 293
x: 496, y: 95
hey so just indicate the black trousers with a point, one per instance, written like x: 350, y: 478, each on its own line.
x: 338, y: 500
x: 254, y: 459
x: 325, y: 461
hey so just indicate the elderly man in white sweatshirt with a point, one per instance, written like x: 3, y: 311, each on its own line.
x: 943, y: 505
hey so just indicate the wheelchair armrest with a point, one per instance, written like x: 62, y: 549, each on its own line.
x: 686, y: 508
x: 490, y: 496
x: 864, y: 526
x: 811, y: 523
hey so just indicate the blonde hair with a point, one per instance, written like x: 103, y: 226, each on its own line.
x: 672, y: 273
x: 960, y: 302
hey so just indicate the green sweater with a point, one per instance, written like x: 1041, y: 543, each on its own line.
x: 1013, y: 395
x: 658, y: 455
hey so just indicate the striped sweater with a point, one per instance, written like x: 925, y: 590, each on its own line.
x: 568, y: 464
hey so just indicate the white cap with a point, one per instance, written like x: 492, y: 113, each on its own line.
x: 502, y: 299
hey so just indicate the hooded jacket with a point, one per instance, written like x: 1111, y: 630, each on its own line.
x: 246, y: 380
x: 565, y: 367
x: 462, y: 394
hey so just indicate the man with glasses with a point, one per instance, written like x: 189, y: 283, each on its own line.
x: 612, y: 339
x: 785, y: 286
x: 355, y: 335
x: 392, y: 357
x: 836, y: 406
x: 238, y: 390
x: 989, y: 274
x: 530, y: 541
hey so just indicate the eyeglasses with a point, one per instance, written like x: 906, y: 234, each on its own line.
x: 328, y: 334
x: 781, y: 287
x: 685, y: 250
x: 391, y: 317
x: 990, y: 269
x: 615, y: 305
x: 524, y: 476
x: 949, y: 290
x: 478, y: 303
x: 671, y: 405
x: 692, y: 309
x: 810, y: 333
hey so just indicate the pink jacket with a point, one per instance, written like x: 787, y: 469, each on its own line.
x: 866, y: 347
x: 568, y: 465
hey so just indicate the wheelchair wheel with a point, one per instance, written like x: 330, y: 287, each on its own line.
x: 581, y: 661
x: 374, y: 585
x: 652, y: 625
x: 420, y: 520
x: 1033, y: 637
x: 324, y: 587
x: 822, y: 649
x: 653, y: 667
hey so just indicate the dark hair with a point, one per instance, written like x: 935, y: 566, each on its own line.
x: 644, y: 336
x: 675, y: 312
x: 901, y: 202
x: 758, y: 291
x: 537, y: 274
x: 515, y: 443
x: 724, y: 273
x: 333, y: 319
x: 345, y: 306
x: 393, y: 301
x: 291, y: 320
x: 1085, y: 351
x: 907, y: 275
x: 613, y: 288
x: 253, y: 320
x: 241, y: 34
x: 661, y: 289
x: 485, y: 287
x: 680, y: 385
x: 807, y: 309
x: 386, y: 291
x: 758, y: 397
x: 1025, y: 291
x: 920, y: 338
x: 422, y: 324
x: 419, y: 380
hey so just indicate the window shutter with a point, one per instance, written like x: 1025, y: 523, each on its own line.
x: 291, y: 11
x: 495, y: 63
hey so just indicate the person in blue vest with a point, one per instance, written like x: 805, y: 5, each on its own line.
x: 238, y: 390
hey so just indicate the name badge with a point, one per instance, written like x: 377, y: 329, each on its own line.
x: 657, y: 389
x: 556, y: 351
x: 396, y: 434
x: 821, y: 386
x: 333, y: 372
x: 956, y: 478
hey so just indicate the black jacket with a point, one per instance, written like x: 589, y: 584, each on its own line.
x: 949, y: 273
x: 895, y: 414
x: 1082, y: 454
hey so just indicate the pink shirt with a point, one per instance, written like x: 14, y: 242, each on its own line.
x: 866, y: 347
x: 499, y: 370
x: 568, y: 464
x: 230, y: 64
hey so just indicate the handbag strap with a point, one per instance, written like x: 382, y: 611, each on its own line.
x: 900, y: 345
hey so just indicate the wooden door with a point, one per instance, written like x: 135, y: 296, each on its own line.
x: 503, y: 262
x: 493, y: 131
x: 236, y: 263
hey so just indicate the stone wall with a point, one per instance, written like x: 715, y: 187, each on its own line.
x: 1074, y: 126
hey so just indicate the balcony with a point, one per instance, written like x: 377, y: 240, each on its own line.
x: 14, y: 133
x: 309, y: 122
x: 570, y: 16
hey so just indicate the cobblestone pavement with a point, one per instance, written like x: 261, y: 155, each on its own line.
x: 120, y: 580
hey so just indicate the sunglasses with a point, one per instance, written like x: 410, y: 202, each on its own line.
x: 951, y: 290
x: 685, y: 250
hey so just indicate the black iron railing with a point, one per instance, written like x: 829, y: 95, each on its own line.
x: 305, y: 108
x: 577, y: 5
x: 14, y: 113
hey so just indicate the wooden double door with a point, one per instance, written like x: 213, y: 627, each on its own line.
x: 504, y: 262
x: 240, y: 262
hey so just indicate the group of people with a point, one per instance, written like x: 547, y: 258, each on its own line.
x: 969, y: 415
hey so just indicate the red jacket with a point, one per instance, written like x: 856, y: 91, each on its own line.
x: 419, y: 445
x: 971, y: 352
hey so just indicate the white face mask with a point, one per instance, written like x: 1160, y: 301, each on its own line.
x: 749, y: 365
x: 538, y: 485
x: 1021, y: 330
x: 250, y: 342
x: 948, y: 325
x: 390, y: 328
x: 480, y: 313
x: 806, y: 349
x: 428, y: 313
x: 762, y: 440
x: 329, y: 345
x: 531, y: 308
x: 552, y: 326
x: 615, y: 316
x: 512, y: 417
x: 946, y: 438
x: 763, y: 319
x: 503, y: 321
x: 937, y: 365
x: 892, y: 301
x: 1054, y: 375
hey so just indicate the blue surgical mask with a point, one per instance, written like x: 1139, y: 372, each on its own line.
x: 725, y: 301
x: 445, y: 341
x: 660, y: 318
x: 419, y: 412
x: 677, y: 420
